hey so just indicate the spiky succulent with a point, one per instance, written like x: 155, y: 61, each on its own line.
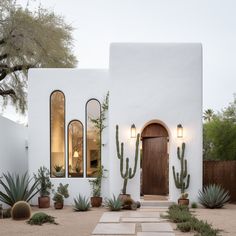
x: 58, y: 168
x: 114, y: 204
x: 81, y: 203
x: 213, y: 196
x: 16, y: 188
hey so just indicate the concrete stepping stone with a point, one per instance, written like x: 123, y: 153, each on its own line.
x: 141, y: 219
x: 154, y: 234
x: 110, y: 217
x: 137, y: 214
x: 156, y: 227
x: 114, y: 229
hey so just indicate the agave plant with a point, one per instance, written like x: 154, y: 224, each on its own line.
x: 81, y: 203
x: 17, y: 188
x: 213, y: 196
x: 114, y: 204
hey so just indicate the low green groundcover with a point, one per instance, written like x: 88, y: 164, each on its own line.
x: 186, y: 222
x: 40, y: 218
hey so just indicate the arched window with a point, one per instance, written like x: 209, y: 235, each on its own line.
x: 57, y: 134
x: 93, y: 137
x: 75, y: 149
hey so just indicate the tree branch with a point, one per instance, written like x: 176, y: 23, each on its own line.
x: 7, y: 92
x: 5, y: 71
x: 4, y: 56
x: 2, y: 41
x: 3, y: 74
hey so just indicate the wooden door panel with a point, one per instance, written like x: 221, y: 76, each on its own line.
x: 155, y: 166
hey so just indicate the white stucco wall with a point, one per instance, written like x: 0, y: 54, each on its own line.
x: 157, y: 82
x: 13, y: 151
x: 78, y: 86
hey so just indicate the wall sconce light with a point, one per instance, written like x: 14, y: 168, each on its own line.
x: 76, y: 154
x: 133, y: 131
x: 179, y: 131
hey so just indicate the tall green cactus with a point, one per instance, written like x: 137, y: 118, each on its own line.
x: 128, y: 173
x: 179, y: 178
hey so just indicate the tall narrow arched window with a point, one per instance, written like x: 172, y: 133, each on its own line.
x: 75, y: 149
x: 93, y: 137
x: 57, y: 134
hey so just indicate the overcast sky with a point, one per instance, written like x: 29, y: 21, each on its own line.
x: 97, y: 23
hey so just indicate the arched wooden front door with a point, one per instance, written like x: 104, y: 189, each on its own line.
x: 155, y: 166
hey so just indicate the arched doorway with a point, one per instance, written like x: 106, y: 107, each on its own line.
x: 155, y: 163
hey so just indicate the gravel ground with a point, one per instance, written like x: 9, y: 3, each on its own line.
x: 82, y: 223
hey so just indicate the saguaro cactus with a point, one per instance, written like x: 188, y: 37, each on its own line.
x: 128, y: 173
x: 180, y: 178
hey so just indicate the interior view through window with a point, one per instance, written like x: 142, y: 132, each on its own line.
x: 75, y: 149
x: 93, y: 136
x: 57, y: 131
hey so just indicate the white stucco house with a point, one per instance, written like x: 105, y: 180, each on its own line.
x: 155, y: 86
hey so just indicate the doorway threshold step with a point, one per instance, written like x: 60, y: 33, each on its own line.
x: 156, y: 203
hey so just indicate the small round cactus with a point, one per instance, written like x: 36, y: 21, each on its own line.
x: 21, y: 211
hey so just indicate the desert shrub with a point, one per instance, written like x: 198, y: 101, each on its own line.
x: 81, y: 203
x: 17, y: 188
x: 114, y: 204
x: 129, y: 204
x: 62, y: 192
x: 204, y: 229
x: 178, y: 213
x: 176, y: 207
x: 21, y: 211
x: 185, y: 226
x: 40, y: 218
x: 43, y: 178
x: 213, y: 196
x: 186, y: 222
x: 6, y: 213
x: 194, y: 205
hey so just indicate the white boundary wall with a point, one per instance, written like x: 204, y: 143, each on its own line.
x: 13, y: 151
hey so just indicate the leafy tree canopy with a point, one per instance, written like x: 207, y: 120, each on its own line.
x: 219, y: 134
x: 30, y: 39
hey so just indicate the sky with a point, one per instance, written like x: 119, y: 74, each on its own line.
x: 97, y: 23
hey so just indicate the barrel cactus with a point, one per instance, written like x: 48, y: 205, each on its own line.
x: 21, y: 211
x: 128, y: 173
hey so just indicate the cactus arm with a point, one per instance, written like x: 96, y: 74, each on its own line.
x: 183, y: 150
x: 178, y: 153
x: 124, y: 174
x: 131, y: 175
x: 176, y: 177
x: 185, y: 169
x: 188, y: 181
x: 118, y: 143
x: 122, y: 150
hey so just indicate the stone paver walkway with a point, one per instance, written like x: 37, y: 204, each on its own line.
x: 139, y: 223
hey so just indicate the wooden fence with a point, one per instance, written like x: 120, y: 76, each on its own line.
x: 222, y: 173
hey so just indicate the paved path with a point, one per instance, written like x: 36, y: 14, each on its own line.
x: 143, y: 222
